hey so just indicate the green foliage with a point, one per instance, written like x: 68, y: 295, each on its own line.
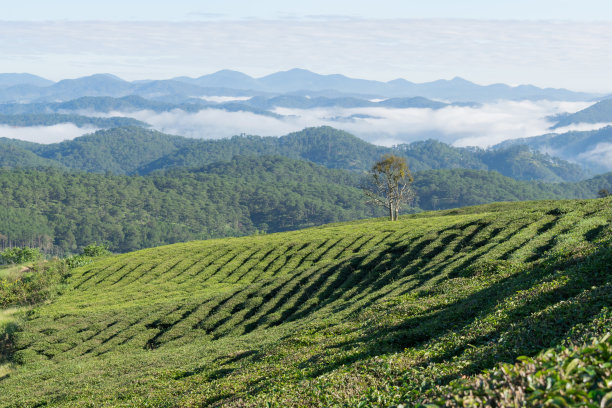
x: 576, y: 376
x: 50, y: 119
x: 579, y: 147
x: 119, y: 151
x: 440, y: 189
x: 19, y: 255
x: 133, y: 150
x: 86, y: 256
x: 16, y: 156
x: 66, y: 211
x: 391, y: 184
x: 94, y: 250
x: 33, y: 284
x: 61, y: 212
x: 367, y: 313
x: 519, y: 162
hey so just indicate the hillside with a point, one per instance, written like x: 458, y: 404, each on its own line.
x: 600, y: 112
x: 591, y: 149
x: 237, y: 197
x: 62, y: 212
x: 50, y: 119
x: 13, y: 79
x: 368, y: 313
x: 133, y: 150
x: 118, y: 151
x: 15, y: 156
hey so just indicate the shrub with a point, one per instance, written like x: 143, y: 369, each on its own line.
x: 94, y: 250
x: 566, y: 376
x: 19, y: 255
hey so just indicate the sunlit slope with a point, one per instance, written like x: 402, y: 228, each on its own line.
x: 327, y: 315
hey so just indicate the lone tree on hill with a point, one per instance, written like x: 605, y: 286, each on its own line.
x: 391, y: 184
x: 603, y: 193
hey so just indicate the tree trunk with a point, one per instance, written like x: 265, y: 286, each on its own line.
x: 391, y: 213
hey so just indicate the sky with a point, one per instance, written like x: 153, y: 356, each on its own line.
x: 181, y: 10
x: 548, y: 43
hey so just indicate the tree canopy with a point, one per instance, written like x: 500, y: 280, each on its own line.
x: 390, y: 187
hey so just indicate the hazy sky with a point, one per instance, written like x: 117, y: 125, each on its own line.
x: 548, y: 43
x: 179, y: 10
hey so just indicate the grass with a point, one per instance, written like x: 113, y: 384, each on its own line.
x: 368, y: 313
x: 8, y: 326
x: 10, y: 271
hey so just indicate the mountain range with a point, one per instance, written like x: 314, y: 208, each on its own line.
x: 135, y: 150
x: 591, y: 149
x: 29, y: 88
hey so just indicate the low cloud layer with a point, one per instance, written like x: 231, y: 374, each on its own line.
x: 462, y: 126
x: 600, y: 155
x: 582, y: 127
x: 45, y: 134
x: 482, y: 126
x: 221, y: 99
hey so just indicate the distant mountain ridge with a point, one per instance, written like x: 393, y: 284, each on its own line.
x: 261, y: 105
x: 227, y: 82
x: 600, y: 112
x: 8, y: 80
x: 456, y: 89
x: 591, y: 149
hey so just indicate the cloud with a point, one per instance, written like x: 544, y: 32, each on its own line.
x: 582, y: 127
x: 45, y: 134
x: 221, y: 99
x: 601, y: 155
x: 462, y: 126
x: 481, y: 126
x: 213, y: 123
x: 568, y: 54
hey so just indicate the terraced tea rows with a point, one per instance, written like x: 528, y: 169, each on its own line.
x: 236, y: 320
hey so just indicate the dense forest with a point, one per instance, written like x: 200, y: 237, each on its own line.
x: 63, y: 211
x: 49, y: 119
x: 134, y: 150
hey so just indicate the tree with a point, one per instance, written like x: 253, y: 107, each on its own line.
x: 603, y: 193
x: 391, y: 184
x: 20, y: 255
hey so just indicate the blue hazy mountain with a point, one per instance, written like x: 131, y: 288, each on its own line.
x: 9, y: 80
x: 591, y: 149
x: 601, y: 112
x: 232, y: 83
x: 224, y: 79
x: 261, y: 105
x: 457, y: 89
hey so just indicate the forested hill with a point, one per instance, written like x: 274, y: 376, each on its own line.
x: 134, y: 150
x: 63, y: 211
x: 591, y: 148
x: 50, y: 119
x: 601, y: 112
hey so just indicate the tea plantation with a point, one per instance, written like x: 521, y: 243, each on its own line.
x: 368, y: 314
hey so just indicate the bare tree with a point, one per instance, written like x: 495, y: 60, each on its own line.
x: 390, y: 184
